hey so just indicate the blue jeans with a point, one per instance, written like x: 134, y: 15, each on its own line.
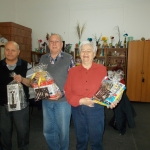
x: 56, y: 124
x: 89, y: 125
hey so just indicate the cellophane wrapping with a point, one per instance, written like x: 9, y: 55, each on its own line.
x: 111, y: 89
x: 44, y: 87
x: 16, y: 96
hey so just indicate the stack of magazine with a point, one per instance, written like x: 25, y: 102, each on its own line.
x: 110, y: 90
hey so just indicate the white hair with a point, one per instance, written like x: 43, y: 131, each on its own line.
x: 94, y: 47
x: 57, y: 35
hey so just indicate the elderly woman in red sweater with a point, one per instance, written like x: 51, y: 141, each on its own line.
x: 82, y: 83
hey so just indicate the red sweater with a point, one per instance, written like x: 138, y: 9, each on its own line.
x: 83, y: 83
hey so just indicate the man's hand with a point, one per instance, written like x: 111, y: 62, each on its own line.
x: 86, y: 101
x: 57, y: 97
x: 18, y: 78
x: 37, y: 75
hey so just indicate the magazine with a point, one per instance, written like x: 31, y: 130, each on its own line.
x: 110, y: 90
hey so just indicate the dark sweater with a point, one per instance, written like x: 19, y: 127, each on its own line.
x: 5, y: 79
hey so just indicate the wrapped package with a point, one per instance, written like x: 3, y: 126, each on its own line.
x: 44, y: 87
x: 16, y: 96
x: 111, y: 89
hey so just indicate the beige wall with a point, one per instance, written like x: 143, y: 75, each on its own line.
x: 62, y: 16
x: 7, y: 10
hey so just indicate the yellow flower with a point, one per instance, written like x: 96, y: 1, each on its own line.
x: 104, y: 38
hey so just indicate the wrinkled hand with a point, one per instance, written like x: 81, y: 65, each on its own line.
x: 86, y: 101
x: 18, y: 78
x: 57, y: 97
x: 115, y: 103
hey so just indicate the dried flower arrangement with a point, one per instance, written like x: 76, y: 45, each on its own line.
x: 80, y: 30
x: 97, y: 39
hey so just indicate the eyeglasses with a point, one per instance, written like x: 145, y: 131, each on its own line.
x: 54, y: 42
x: 88, y: 51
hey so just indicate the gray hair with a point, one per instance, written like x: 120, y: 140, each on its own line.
x: 57, y: 35
x: 94, y: 47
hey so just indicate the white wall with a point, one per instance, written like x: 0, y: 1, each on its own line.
x: 132, y: 17
x: 7, y: 10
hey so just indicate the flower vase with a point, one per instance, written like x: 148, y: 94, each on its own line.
x: 105, y: 44
x: 96, y: 43
x: 125, y: 42
x: 79, y: 43
x: 110, y: 45
x: 99, y: 45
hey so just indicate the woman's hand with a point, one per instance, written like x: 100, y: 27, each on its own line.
x: 86, y: 101
x: 115, y: 103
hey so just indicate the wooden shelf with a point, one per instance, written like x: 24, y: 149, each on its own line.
x: 35, y: 57
x: 113, y: 58
x: 109, y: 57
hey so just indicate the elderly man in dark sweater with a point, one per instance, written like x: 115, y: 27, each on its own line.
x: 11, y: 63
x: 57, y: 111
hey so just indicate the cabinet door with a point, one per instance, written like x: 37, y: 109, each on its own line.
x: 146, y: 73
x: 134, y: 70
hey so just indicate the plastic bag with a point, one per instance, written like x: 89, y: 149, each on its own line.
x: 111, y: 89
x: 44, y: 87
x: 16, y: 96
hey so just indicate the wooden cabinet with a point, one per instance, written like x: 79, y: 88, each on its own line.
x: 138, y: 71
x: 20, y: 34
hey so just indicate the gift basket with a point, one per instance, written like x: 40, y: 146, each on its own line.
x: 15, y: 95
x: 44, y: 87
x: 111, y: 89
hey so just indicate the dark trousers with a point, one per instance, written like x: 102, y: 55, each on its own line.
x: 21, y: 121
x: 89, y: 125
x: 0, y: 143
